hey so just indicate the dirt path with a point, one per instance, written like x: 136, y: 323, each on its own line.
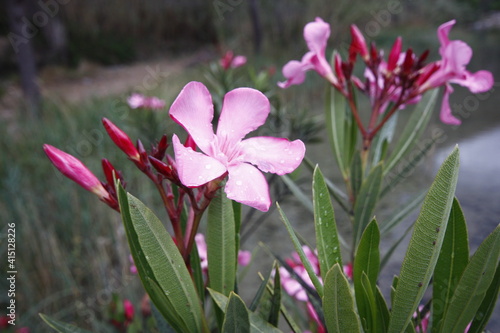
x: 92, y: 80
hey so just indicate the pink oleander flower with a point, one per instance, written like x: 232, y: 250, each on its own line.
x: 229, y: 60
x: 75, y: 170
x: 128, y: 309
x: 226, y: 153
x: 316, y: 35
x: 136, y: 101
x: 455, y: 54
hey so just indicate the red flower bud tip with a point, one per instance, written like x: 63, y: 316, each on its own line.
x: 408, y: 62
x: 161, y: 167
x: 75, y: 170
x: 427, y: 71
x: 358, y: 43
x: 394, y: 55
x: 159, y: 150
x: 374, y: 54
x: 190, y: 143
x: 121, y: 139
x: 338, y: 67
x: 111, y: 173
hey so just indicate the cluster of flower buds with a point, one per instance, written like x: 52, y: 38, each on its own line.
x: 229, y: 60
x: 399, y: 81
x: 295, y: 289
x: 121, y: 314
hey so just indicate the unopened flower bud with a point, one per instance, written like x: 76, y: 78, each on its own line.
x: 121, y: 139
x: 358, y: 44
x: 75, y: 170
x: 392, y: 62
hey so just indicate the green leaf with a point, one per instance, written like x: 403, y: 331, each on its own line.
x: 382, y: 310
x: 338, y: 303
x: 402, y: 212
x: 303, y: 199
x: 393, y: 178
x: 335, y: 114
x: 260, y: 292
x: 414, y: 128
x: 236, y: 319
x: 327, y: 238
x: 425, y: 244
x: 160, y: 266
x: 60, y: 326
x: 366, y: 201
x: 221, y: 247
x: 356, y: 174
x: 367, y: 262
x: 197, y: 274
x: 307, y: 265
x: 383, y: 138
x: 472, y: 287
x: 485, y: 310
x: 274, y: 312
x: 257, y: 324
x: 451, y: 263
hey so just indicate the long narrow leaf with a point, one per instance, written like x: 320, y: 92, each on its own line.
x: 338, y: 302
x: 485, y: 310
x: 413, y: 130
x: 366, y: 201
x: 236, y: 319
x: 472, y: 287
x: 160, y: 266
x: 451, y: 263
x: 327, y: 238
x: 425, y: 244
x: 335, y: 119
x: 221, y: 247
x: 307, y: 265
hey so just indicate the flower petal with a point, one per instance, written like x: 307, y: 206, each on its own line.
x: 445, y: 115
x: 238, y: 61
x: 444, y: 31
x: 295, y: 73
x: 243, y: 110
x: 275, y: 155
x: 248, y: 186
x: 316, y: 35
x: 193, y: 109
x: 477, y: 82
x: 195, y: 169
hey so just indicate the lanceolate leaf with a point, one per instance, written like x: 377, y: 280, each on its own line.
x: 451, y: 263
x: 221, y: 246
x: 236, y: 319
x: 327, y: 238
x: 338, y: 303
x: 366, y: 201
x: 486, y: 308
x: 356, y: 174
x: 307, y: 265
x: 161, y: 266
x: 383, y: 310
x: 413, y: 130
x: 472, y: 287
x: 383, y: 138
x: 61, y: 327
x: 367, y: 263
x: 335, y: 113
x: 425, y: 244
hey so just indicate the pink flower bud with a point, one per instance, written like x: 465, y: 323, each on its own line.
x: 358, y: 44
x: 128, y: 309
x: 75, y: 170
x: 244, y: 257
x: 121, y: 139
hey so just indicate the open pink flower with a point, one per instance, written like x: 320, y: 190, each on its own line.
x: 229, y: 60
x: 243, y: 111
x: 455, y: 56
x: 316, y: 35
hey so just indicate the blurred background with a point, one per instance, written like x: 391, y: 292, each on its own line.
x: 65, y: 64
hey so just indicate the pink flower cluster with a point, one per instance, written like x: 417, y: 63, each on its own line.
x: 293, y: 288
x: 139, y: 101
x: 402, y: 79
x: 229, y: 60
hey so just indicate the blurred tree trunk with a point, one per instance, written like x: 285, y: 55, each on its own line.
x: 21, y: 38
x: 256, y: 26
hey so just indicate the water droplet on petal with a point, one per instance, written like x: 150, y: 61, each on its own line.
x: 282, y: 161
x: 208, y: 166
x: 239, y: 183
